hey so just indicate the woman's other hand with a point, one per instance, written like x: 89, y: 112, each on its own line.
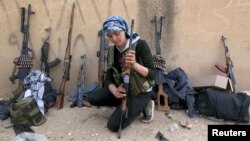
x: 120, y: 92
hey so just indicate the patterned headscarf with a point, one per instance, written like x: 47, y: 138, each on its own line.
x: 115, y: 24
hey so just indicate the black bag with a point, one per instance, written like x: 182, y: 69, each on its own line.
x: 4, y: 109
x: 49, y: 96
x: 224, y: 105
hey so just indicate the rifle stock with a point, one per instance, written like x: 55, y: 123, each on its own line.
x: 67, y: 61
x: 19, y: 89
x: 60, y: 99
x: 220, y: 67
x: 162, y: 99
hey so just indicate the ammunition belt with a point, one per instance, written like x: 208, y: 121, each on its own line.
x: 24, y: 61
x: 159, y: 62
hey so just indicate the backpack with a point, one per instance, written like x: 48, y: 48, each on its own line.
x: 25, y: 111
x: 138, y: 82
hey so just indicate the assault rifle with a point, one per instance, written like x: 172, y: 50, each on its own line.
x: 229, y: 65
x: 126, y: 75
x: 78, y: 95
x: 24, y: 62
x: 160, y: 65
x: 45, y: 65
x: 67, y: 61
x: 101, y: 55
x: 80, y: 84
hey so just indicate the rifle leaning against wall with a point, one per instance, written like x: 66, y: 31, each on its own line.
x: 158, y: 60
x: 67, y: 61
x: 228, y: 69
x: 102, y: 57
x: 126, y: 76
x: 24, y: 62
x: 80, y: 84
x: 160, y: 66
x: 78, y: 96
x: 45, y: 65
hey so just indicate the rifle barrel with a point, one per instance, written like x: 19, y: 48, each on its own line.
x: 158, y: 34
x: 101, y: 55
x: 126, y: 83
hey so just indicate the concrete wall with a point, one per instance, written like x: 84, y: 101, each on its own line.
x: 191, y: 34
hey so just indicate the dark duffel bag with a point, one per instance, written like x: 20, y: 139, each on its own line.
x: 224, y: 105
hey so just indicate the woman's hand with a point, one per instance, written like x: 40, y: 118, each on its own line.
x: 130, y: 58
x: 120, y: 92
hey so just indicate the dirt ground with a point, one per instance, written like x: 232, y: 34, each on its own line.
x: 79, y: 124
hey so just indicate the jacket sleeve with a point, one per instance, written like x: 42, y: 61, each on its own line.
x: 109, y: 78
x: 143, y: 54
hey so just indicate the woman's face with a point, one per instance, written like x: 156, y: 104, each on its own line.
x: 118, y: 38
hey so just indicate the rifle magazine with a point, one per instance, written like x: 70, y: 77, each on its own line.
x: 54, y: 63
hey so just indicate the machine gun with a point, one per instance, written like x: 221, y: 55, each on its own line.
x: 228, y: 69
x: 102, y: 57
x: 24, y: 62
x: 158, y: 60
x: 126, y: 75
x: 160, y: 66
x: 45, y: 65
x: 67, y: 61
